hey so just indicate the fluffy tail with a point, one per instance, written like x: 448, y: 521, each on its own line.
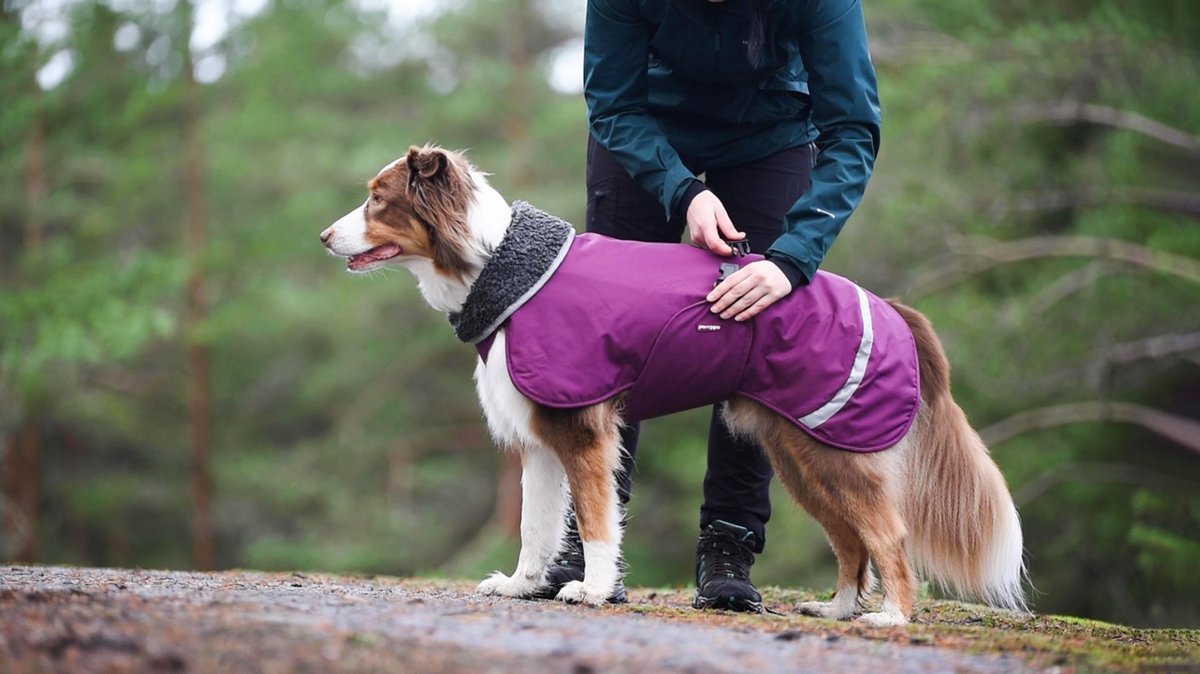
x: 964, y: 532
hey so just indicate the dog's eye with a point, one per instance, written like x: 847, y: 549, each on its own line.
x: 375, y: 198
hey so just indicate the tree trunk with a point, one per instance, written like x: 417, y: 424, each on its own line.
x: 35, y: 178
x: 518, y: 107
x: 23, y: 490
x: 23, y: 458
x: 516, y: 135
x: 198, y: 355
x: 77, y: 530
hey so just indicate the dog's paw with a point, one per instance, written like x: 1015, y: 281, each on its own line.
x: 817, y: 609
x: 882, y: 619
x: 833, y: 610
x: 501, y: 585
x: 492, y: 584
x: 577, y: 592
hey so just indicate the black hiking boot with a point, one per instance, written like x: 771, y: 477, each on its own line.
x: 724, y: 556
x: 569, y: 566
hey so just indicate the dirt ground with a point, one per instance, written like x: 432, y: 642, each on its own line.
x: 104, y: 620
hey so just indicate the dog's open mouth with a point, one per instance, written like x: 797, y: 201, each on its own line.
x: 377, y: 254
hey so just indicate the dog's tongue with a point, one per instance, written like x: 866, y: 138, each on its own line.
x: 376, y: 254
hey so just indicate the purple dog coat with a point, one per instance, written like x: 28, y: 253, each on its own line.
x: 619, y: 316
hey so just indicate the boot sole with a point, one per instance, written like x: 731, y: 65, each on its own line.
x: 722, y: 603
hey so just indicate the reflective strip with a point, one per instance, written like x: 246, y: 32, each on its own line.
x: 824, y: 412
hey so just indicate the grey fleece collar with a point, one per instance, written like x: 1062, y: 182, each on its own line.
x: 533, y: 247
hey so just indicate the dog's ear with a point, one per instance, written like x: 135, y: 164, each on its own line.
x: 426, y: 163
x: 440, y: 191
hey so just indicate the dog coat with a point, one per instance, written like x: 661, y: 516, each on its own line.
x: 601, y: 316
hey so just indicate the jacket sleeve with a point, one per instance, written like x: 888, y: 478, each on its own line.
x: 845, y: 110
x: 616, y: 48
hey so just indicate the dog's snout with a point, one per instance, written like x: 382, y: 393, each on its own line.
x: 326, y: 235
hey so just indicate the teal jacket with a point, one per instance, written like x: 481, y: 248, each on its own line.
x: 672, y: 92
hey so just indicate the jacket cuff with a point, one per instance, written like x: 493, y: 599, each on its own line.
x: 794, y: 274
x: 685, y: 199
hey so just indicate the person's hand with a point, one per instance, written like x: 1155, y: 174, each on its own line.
x: 749, y: 290
x: 707, y: 221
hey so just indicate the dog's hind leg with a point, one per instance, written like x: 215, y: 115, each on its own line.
x: 899, y: 584
x: 855, y: 581
x: 587, y: 443
x: 860, y: 493
x: 867, y: 493
x: 786, y: 447
x: 543, y: 506
x: 854, y: 497
x: 854, y: 575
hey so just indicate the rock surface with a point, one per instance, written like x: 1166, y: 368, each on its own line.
x: 104, y: 620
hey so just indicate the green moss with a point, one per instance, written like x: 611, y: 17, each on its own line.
x: 1048, y: 640
x: 1085, y: 645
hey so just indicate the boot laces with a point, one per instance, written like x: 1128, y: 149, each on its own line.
x: 724, y: 555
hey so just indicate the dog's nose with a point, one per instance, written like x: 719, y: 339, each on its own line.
x: 326, y: 235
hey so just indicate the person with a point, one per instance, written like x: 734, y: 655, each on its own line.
x: 774, y: 102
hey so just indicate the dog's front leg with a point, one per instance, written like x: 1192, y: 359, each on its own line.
x: 598, y: 516
x: 543, y: 506
x: 590, y: 474
x: 586, y: 442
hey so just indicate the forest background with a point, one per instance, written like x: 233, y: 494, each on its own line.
x: 187, y: 380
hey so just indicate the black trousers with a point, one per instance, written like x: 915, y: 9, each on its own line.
x: 756, y: 195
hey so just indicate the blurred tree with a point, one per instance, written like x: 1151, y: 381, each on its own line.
x: 23, y: 446
x: 76, y: 308
x: 198, y: 353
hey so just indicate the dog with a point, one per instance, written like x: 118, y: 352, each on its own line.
x: 915, y: 490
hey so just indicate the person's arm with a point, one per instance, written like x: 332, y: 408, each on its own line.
x: 845, y: 110
x: 616, y: 49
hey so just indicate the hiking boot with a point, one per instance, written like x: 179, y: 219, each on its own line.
x: 569, y: 566
x: 724, y: 556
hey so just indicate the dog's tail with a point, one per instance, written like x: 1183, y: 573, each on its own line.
x: 964, y: 532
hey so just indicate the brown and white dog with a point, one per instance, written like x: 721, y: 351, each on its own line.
x: 935, y: 498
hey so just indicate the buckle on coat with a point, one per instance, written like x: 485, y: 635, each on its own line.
x: 727, y: 269
x: 741, y: 248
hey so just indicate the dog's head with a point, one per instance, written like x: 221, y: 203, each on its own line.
x: 417, y: 209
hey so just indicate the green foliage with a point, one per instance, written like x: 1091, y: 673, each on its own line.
x: 346, y: 433
x: 95, y: 314
x: 1166, y: 551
